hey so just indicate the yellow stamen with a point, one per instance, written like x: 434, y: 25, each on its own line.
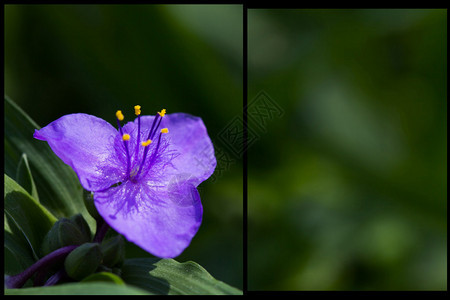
x: 137, y: 110
x: 119, y: 115
x: 162, y: 112
x: 146, y: 143
x: 125, y: 137
x: 164, y: 130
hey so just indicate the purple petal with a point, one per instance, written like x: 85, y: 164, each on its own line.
x: 189, y: 140
x: 86, y: 143
x: 160, y: 220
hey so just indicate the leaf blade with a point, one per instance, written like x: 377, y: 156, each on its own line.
x: 24, y: 177
x: 104, y: 277
x: 26, y: 214
x: 167, y: 276
x: 81, y: 288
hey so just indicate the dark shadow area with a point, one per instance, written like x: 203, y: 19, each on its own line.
x: 137, y: 272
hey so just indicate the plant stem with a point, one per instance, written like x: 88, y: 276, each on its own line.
x: 17, y: 281
x: 102, y: 228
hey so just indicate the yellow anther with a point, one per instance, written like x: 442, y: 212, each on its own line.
x: 125, y: 137
x: 137, y: 110
x: 162, y: 112
x: 119, y: 115
x: 146, y: 143
x: 164, y: 130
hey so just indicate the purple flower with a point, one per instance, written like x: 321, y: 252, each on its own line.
x: 144, y: 175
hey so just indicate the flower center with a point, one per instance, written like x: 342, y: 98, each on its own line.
x: 133, y: 173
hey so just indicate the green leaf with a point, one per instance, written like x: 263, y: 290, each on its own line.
x: 84, y: 288
x: 58, y: 186
x: 17, y: 254
x: 167, y: 276
x: 26, y: 220
x: 104, y: 276
x: 24, y: 177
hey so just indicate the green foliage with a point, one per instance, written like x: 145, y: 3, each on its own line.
x: 104, y: 277
x: 24, y: 177
x: 26, y: 223
x: 113, y: 250
x: 167, y: 276
x: 85, y: 288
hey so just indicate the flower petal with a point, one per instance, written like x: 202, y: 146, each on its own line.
x: 86, y: 143
x: 189, y: 139
x: 160, y: 220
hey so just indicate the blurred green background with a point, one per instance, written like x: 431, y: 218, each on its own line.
x: 96, y: 59
x: 347, y: 190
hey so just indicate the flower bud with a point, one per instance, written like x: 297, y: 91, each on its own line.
x: 63, y: 233
x: 113, y: 250
x: 83, y: 261
x: 88, y: 198
x: 82, y: 225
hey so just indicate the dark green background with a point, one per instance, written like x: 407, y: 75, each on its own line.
x: 96, y: 59
x: 348, y: 188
